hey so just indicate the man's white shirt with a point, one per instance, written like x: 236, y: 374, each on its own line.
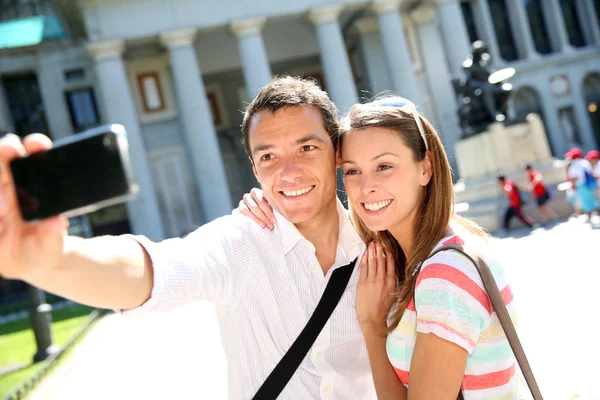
x: 265, y: 286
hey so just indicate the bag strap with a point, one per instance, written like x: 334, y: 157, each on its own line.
x: 290, y: 362
x: 498, y: 303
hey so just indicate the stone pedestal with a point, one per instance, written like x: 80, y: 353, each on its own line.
x: 503, y: 149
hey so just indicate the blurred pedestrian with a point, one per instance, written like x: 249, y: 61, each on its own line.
x: 582, y: 180
x: 515, y: 200
x: 541, y: 193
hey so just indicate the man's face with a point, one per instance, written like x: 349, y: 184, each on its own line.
x: 294, y: 161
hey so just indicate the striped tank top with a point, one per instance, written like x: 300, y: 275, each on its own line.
x: 450, y: 301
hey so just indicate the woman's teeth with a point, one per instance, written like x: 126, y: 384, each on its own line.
x: 377, y: 206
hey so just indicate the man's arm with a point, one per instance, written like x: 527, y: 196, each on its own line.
x: 106, y: 272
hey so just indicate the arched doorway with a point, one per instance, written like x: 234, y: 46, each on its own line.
x: 525, y: 101
x: 591, y: 93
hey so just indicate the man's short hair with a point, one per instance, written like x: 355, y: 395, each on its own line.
x: 501, y: 178
x: 287, y: 91
x: 528, y: 166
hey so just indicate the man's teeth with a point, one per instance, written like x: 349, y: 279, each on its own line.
x: 298, y: 192
x: 377, y: 206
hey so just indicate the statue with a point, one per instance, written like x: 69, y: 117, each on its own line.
x: 483, y: 93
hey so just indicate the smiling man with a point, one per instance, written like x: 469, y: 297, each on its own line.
x: 265, y: 284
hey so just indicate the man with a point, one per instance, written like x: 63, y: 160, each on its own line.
x: 513, y: 193
x: 540, y: 192
x: 265, y: 284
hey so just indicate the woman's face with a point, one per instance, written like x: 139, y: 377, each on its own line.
x: 381, y: 177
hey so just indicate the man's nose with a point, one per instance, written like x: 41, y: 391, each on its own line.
x: 290, y: 171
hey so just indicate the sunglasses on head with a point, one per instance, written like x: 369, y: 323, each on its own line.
x: 408, y: 107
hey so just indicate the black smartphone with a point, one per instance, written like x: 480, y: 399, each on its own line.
x: 79, y: 175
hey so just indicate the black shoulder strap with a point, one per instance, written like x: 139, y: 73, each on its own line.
x: 290, y: 362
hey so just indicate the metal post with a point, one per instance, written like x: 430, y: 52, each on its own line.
x: 40, y: 316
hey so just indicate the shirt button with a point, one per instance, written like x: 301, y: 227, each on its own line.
x: 316, y: 266
x: 319, y: 356
x: 326, y: 389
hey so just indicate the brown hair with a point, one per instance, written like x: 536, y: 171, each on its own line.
x: 287, y: 91
x: 435, y: 201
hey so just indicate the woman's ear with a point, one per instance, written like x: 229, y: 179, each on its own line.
x: 426, y: 169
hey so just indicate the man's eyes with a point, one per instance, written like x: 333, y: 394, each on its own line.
x: 308, y: 147
x: 267, y: 157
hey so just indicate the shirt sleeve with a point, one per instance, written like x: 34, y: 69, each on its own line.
x: 208, y: 264
x: 450, y: 300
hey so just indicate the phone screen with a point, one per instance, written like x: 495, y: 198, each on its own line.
x: 70, y: 177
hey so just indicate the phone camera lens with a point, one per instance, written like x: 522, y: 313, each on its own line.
x: 110, y: 143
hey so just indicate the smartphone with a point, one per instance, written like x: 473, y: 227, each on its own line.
x: 80, y: 174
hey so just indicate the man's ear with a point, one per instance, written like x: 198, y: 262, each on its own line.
x: 426, y: 169
x: 254, y: 169
x: 338, y: 159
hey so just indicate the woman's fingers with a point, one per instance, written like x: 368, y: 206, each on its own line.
x: 263, y: 203
x: 390, y: 266
x: 244, y: 210
x: 364, y: 267
x: 372, y: 262
x: 257, y: 211
x: 381, y: 265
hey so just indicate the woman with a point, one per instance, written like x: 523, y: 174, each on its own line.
x: 429, y: 327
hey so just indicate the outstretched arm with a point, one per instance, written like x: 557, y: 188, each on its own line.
x: 106, y: 272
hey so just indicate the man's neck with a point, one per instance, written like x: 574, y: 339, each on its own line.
x: 323, y: 232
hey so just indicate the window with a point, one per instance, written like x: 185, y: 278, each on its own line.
x: 503, y: 30
x: 535, y: 14
x: 469, y: 18
x: 82, y: 107
x: 25, y: 103
x: 569, y: 10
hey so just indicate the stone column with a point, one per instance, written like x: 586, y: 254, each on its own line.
x: 144, y: 213
x: 201, y: 141
x: 6, y: 119
x: 255, y: 62
x: 485, y: 27
x: 395, y: 48
x: 50, y: 78
x: 334, y: 57
x: 554, y: 16
x: 454, y: 34
x: 522, y: 31
x: 438, y: 77
x: 370, y: 42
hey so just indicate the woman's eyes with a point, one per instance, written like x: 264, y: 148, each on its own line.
x: 382, y: 167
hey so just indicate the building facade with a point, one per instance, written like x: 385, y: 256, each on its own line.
x: 178, y: 74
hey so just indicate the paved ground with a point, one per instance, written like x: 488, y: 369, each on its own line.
x: 555, y: 275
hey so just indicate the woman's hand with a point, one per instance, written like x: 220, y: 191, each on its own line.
x: 376, y: 287
x: 253, y: 205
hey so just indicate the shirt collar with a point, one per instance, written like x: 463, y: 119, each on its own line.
x: 348, y: 239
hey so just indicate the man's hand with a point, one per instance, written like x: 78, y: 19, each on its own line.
x: 25, y: 248
x: 254, y: 205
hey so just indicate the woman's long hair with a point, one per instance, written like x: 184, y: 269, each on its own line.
x: 435, y: 201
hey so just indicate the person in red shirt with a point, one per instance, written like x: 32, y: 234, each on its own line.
x: 514, y: 203
x: 541, y: 193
